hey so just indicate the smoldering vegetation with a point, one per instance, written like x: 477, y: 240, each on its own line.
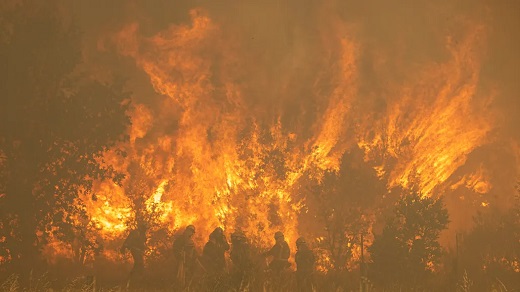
x: 384, y: 133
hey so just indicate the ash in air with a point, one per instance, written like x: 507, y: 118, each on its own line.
x: 259, y: 146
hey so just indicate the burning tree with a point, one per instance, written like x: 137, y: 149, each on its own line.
x: 343, y: 203
x: 408, y: 249
x: 55, y: 125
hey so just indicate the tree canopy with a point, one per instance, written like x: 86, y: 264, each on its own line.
x: 55, y: 124
x: 408, y: 250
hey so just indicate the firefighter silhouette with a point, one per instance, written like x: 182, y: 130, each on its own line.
x: 304, y: 265
x: 186, y: 257
x: 213, y: 258
x: 279, y: 264
x: 241, y: 259
x: 213, y: 254
x: 135, y: 242
x: 280, y: 253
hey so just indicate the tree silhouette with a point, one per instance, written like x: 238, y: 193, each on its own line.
x: 341, y: 201
x: 490, y: 252
x: 408, y: 249
x: 54, y: 127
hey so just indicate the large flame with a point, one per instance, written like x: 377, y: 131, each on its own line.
x: 433, y: 122
x: 221, y: 148
x: 222, y: 166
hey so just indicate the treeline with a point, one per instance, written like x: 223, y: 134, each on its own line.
x: 55, y: 124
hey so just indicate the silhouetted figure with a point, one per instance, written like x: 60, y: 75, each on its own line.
x: 186, y: 256
x: 304, y: 265
x: 213, y: 257
x: 136, y: 243
x: 280, y: 253
x: 241, y: 258
x: 80, y: 245
x: 97, y: 249
x: 98, y: 246
x: 213, y: 253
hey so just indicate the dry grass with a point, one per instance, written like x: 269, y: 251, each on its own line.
x: 261, y: 281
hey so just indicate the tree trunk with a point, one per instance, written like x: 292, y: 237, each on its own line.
x: 19, y: 191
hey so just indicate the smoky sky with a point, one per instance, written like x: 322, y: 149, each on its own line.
x: 280, y: 29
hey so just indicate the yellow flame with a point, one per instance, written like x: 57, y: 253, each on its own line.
x: 434, y: 124
x: 210, y: 156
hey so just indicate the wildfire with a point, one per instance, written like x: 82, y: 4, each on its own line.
x: 205, y: 154
x: 109, y: 209
x: 223, y: 163
x: 433, y: 123
x: 155, y: 205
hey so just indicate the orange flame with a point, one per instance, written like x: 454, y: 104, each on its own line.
x: 209, y: 156
x: 435, y: 122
